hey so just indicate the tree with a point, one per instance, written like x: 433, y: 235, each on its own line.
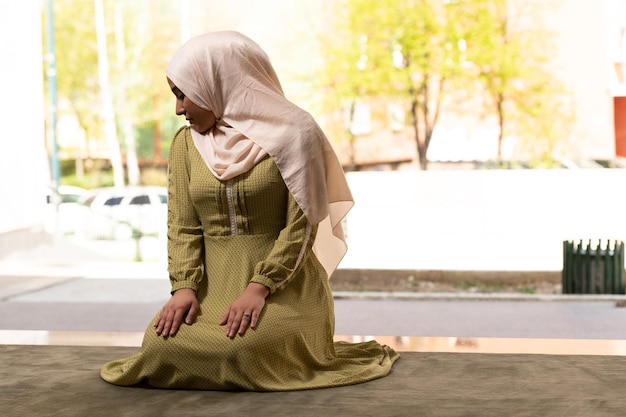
x: 76, y: 67
x: 508, y: 55
x: 106, y: 98
x: 124, y: 115
x: 415, y: 51
x: 133, y: 54
x: 154, y: 44
x: 406, y: 49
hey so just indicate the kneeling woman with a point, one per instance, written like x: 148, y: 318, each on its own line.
x: 256, y: 198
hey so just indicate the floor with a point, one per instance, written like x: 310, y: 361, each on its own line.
x: 64, y: 381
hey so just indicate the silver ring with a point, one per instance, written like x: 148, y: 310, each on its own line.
x: 246, y: 314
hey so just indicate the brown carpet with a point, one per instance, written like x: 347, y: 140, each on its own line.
x: 64, y: 381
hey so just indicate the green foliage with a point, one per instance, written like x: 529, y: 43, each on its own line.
x: 68, y: 167
x: 140, y: 38
x: 76, y: 62
x: 402, y: 50
x: 145, y: 139
x: 419, y: 51
x: 509, y: 58
x: 95, y: 179
x: 413, y: 53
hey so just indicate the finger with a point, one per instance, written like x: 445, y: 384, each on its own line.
x: 176, y: 321
x: 230, y: 332
x: 191, y: 314
x: 168, y: 323
x: 254, y: 320
x: 225, y: 317
x: 245, y: 322
x: 159, y: 323
x: 233, y: 326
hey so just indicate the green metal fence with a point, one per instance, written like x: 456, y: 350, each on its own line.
x: 593, y: 267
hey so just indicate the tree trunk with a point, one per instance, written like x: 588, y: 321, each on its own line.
x: 126, y: 122
x: 351, y: 136
x: 422, y: 146
x: 500, y: 108
x: 157, y: 141
x: 108, y: 114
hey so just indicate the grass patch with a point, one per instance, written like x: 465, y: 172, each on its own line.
x: 478, y: 286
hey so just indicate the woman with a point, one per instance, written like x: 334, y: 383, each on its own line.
x: 256, y: 196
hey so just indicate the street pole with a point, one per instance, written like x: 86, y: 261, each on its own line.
x: 51, y: 72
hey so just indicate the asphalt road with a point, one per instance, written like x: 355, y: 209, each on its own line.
x: 66, y: 303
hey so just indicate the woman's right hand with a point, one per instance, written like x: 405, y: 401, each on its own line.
x: 182, y: 305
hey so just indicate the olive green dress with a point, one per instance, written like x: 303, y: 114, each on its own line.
x: 223, y: 235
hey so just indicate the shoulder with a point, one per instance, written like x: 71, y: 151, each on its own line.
x: 182, y: 134
x: 182, y: 138
x: 181, y: 145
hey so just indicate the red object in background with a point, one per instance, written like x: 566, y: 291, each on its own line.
x: 619, y: 106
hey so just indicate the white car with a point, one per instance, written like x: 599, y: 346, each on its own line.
x: 124, y: 213
x: 65, y: 194
x: 62, y: 209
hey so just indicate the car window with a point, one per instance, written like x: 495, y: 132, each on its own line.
x: 163, y: 198
x: 113, y: 201
x: 140, y: 200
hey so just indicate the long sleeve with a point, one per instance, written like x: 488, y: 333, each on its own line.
x: 184, y: 234
x: 293, y: 244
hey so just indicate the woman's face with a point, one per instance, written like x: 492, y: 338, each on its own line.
x: 199, y: 119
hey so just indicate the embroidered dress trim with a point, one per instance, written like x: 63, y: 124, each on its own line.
x: 232, y: 213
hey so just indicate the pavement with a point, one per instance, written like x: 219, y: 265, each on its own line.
x: 58, y: 286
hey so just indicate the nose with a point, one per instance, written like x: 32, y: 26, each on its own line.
x: 180, y: 110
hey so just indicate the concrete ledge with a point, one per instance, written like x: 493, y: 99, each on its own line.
x: 618, y: 299
x: 384, y: 279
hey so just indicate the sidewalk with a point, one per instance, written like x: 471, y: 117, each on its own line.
x: 56, y: 261
x: 61, y: 287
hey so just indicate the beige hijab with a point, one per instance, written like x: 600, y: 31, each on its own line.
x: 230, y: 75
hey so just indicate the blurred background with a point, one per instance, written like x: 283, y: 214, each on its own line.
x: 476, y: 134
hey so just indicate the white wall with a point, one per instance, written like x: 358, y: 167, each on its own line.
x: 23, y: 162
x: 480, y: 220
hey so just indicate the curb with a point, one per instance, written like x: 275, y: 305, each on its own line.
x: 463, y: 296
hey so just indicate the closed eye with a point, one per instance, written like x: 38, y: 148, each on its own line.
x: 179, y: 94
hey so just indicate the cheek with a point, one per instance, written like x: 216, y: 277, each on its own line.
x: 208, y: 118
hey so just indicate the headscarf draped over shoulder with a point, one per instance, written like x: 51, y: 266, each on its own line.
x: 229, y: 74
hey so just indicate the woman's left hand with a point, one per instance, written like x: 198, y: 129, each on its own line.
x: 244, y: 312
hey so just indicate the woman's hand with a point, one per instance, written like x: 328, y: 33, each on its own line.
x: 182, y: 305
x: 244, y: 311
